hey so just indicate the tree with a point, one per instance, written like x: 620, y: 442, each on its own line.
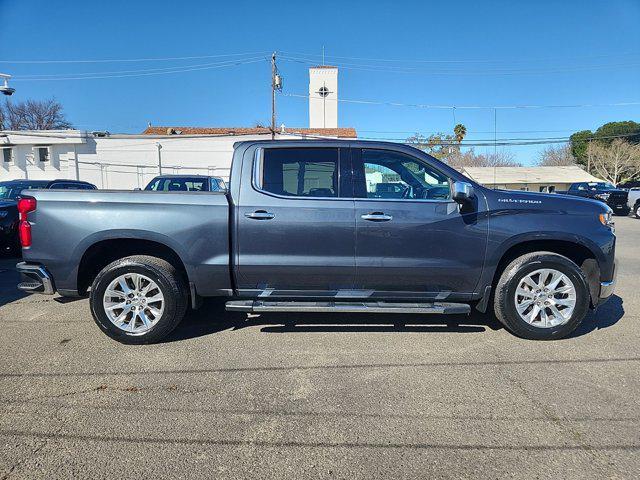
x: 461, y: 160
x: 34, y: 115
x: 579, y: 142
x: 556, y: 156
x: 459, y: 131
x: 439, y: 145
x: 605, y: 134
x: 629, y: 130
x: 617, y: 162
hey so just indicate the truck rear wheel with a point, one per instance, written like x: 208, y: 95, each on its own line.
x: 138, y: 299
x: 541, y: 296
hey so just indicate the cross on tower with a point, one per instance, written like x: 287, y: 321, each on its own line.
x: 323, y: 91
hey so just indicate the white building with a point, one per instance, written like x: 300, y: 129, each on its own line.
x: 533, y: 179
x: 131, y: 161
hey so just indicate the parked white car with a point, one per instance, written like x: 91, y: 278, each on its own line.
x: 634, y: 201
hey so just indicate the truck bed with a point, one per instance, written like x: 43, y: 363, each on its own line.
x: 194, y: 224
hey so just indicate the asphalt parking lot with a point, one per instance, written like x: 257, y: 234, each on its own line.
x: 322, y: 397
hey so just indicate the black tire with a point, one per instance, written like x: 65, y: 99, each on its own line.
x: 505, y: 304
x: 636, y: 210
x: 167, y: 278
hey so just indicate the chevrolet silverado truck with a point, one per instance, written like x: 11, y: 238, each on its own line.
x: 605, y: 192
x: 303, y: 228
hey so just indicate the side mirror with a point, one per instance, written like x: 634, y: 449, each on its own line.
x: 462, y: 192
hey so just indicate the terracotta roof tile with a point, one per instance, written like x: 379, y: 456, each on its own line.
x: 325, y: 132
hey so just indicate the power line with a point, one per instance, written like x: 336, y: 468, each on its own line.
x: 116, y: 72
x: 164, y: 72
x: 121, y: 60
x: 526, y: 60
x: 431, y: 71
x: 467, y: 107
x: 487, y: 142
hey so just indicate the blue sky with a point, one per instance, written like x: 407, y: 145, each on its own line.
x: 450, y: 53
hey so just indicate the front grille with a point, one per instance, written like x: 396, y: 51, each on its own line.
x: 618, y: 197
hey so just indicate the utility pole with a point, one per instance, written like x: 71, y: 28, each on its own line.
x: 276, y: 84
x: 273, y: 96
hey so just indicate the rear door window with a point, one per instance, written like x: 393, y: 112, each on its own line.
x: 300, y: 172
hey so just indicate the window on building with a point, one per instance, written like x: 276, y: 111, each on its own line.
x: 42, y: 154
x: 300, y: 172
x: 7, y: 154
x: 390, y: 174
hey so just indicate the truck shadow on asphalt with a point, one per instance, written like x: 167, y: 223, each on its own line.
x: 9, y: 279
x: 212, y: 318
x: 605, y: 316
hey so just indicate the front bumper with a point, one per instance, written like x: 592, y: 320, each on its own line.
x: 35, y: 279
x: 607, y: 288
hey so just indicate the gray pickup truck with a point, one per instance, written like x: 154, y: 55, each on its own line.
x: 323, y: 226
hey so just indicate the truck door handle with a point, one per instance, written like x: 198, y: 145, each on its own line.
x: 260, y: 215
x: 376, y: 217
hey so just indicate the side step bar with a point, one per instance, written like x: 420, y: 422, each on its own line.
x: 257, y: 306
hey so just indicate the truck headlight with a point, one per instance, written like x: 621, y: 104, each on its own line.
x: 606, y: 219
x: 602, y: 196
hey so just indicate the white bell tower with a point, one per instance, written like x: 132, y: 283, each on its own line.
x: 323, y: 97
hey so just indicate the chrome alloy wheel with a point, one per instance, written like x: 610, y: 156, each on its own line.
x: 134, y: 303
x: 545, y: 298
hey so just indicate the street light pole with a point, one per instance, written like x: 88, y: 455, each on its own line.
x: 5, y: 88
x: 159, y: 158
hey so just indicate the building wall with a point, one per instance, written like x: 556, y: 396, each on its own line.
x: 119, y: 162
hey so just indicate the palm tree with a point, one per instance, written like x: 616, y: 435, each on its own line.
x: 460, y: 131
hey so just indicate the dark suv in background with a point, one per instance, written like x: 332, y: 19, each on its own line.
x: 603, y: 191
x: 9, y: 194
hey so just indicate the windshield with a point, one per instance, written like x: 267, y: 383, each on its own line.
x: 596, y: 186
x: 11, y: 191
x: 177, y: 185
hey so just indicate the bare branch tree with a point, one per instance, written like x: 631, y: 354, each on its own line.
x: 556, y: 156
x: 617, y: 162
x: 460, y: 160
x: 35, y: 115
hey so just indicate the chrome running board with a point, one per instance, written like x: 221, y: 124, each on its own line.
x: 257, y: 306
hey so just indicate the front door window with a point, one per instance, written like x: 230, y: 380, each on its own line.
x: 393, y: 175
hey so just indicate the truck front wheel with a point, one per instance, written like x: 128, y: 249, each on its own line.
x: 636, y: 210
x: 541, y: 296
x: 138, y: 299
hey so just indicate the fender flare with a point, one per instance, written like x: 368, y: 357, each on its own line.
x: 123, y: 234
